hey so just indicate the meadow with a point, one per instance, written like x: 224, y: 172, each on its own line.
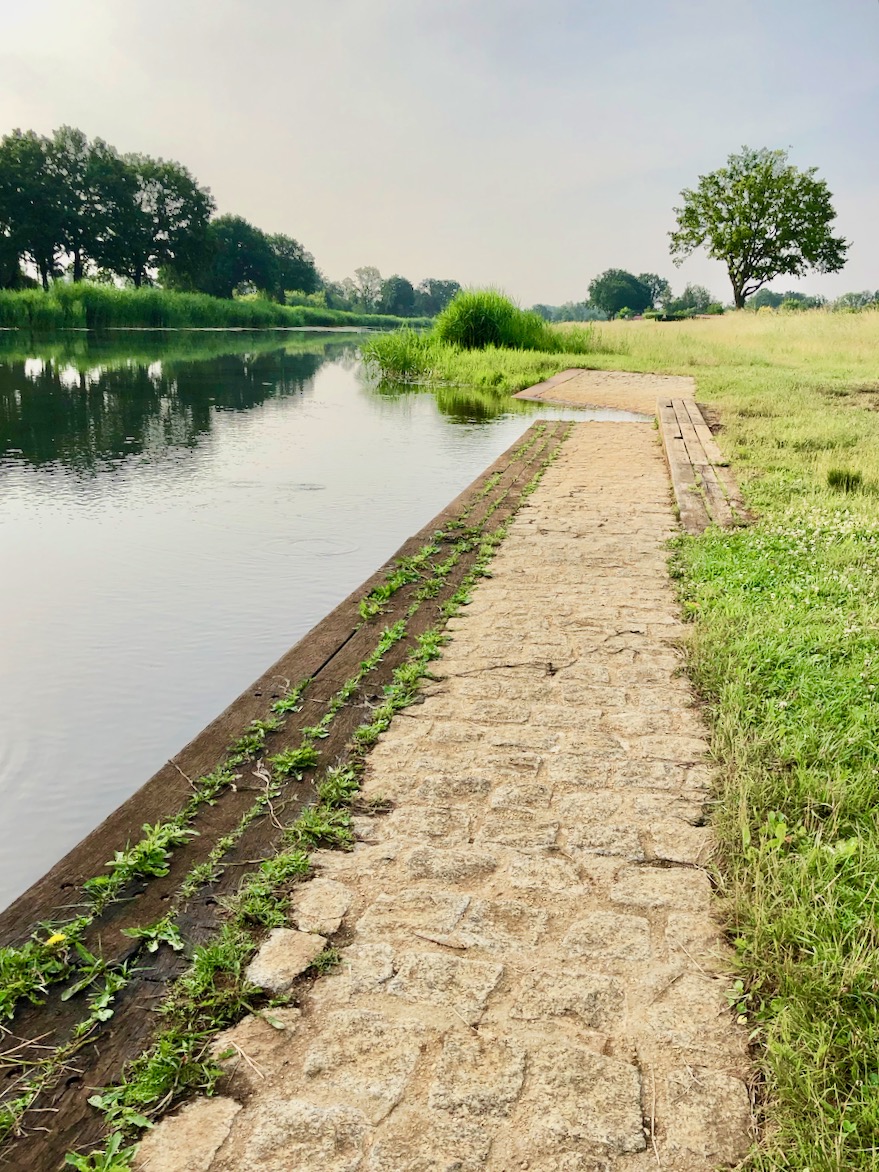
x: 98, y: 307
x: 784, y: 652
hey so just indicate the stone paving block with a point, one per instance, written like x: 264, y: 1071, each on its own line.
x: 707, y: 1120
x: 460, y: 986
x: 698, y: 937
x: 278, y: 1134
x: 449, y: 866
x: 533, y: 795
x: 608, y: 936
x: 366, y: 966
x: 284, y: 955
x: 598, y: 1001
x: 681, y: 888
x: 693, y: 1014
x: 679, y: 842
x: 363, y: 1059
x: 624, y: 842
x: 504, y: 924
x: 477, y: 1075
x: 527, y: 872
x: 429, y: 1141
x: 434, y: 823
x: 470, y: 789
x: 399, y: 916
x: 255, y: 1046
x: 579, y: 1102
x: 189, y: 1140
x: 518, y: 828
x: 319, y: 905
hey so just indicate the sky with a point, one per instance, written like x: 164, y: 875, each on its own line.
x: 497, y: 142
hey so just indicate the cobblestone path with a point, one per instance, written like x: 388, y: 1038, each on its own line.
x: 532, y: 975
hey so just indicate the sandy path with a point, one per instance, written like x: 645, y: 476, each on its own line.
x: 611, y: 388
x: 532, y: 974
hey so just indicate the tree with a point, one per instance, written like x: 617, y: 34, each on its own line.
x: 763, y: 218
x: 616, y: 289
x: 660, y: 290
x: 694, y: 299
x: 295, y: 267
x: 237, y: 255
x: 368, y: 284
x: 398, y: 297
x: 161, y: 218
x: 32, y: 202
x: 433, y: 295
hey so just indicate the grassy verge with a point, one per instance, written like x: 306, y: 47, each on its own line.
x: 785, y: 652
x: 96, y: 307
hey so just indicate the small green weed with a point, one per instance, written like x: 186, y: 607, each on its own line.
x: 113, y: 1157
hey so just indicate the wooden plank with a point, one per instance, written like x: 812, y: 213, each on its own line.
x: 703, y: 431
x: 733, y: 495
x: 691, y: 506
x: 718, y: 505
x: 695, y: 451
x: 668, y: 421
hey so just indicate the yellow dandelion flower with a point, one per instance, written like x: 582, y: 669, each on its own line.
x: 55, y: 938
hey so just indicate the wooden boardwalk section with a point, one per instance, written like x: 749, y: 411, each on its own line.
x: 704, y: 487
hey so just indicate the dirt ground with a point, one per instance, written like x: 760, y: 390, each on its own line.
x: 610, y: 388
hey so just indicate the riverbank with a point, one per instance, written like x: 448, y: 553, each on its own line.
x: 120, y: 933
x: 104, y: 307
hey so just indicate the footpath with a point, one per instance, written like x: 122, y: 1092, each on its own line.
x: 532, y: 974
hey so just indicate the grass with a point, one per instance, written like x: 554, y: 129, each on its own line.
x: 785, y: 653
x: 100, y: 307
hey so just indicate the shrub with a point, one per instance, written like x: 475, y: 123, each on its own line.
x: 476, y: 318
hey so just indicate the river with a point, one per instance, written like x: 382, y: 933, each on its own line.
x: 176, y: 510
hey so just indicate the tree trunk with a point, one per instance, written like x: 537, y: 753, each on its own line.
x: 44, y: 277
x: 138, y: 277
x: 77, y: 264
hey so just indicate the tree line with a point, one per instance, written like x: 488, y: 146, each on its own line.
x: 75, y: 208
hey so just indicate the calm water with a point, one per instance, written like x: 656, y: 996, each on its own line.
x: 176, y: 511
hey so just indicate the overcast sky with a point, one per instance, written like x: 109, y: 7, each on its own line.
x: 509, y: 142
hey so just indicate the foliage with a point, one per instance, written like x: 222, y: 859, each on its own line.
x: 694, y: 299
x: 113, y: 1158
x: 570, y: 311
x: 790, y: 300
x: 410, y: 357
x: 95, y: 306
x: 295, y: 268
x: 476, y: 318
x: 660, y: 289
x: 763, y: 218
x: 432, y: 295
x: 615, y: 289
x: 397, y: 297
x: 31, y: 202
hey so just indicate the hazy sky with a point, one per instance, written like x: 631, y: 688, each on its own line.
x: 510, y: 142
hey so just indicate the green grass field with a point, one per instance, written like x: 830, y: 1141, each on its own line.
x: 785, y: 653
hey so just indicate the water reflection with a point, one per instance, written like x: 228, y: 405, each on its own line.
x: 91, y: 406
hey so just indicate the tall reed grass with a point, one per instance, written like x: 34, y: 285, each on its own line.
x: 99, y: 307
